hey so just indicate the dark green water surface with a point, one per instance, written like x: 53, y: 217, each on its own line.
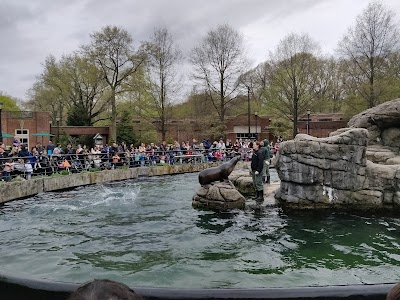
x: 144, y: 232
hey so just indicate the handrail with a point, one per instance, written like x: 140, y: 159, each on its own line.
x: 44, y: 164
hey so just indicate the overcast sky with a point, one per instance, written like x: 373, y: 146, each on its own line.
x: 31, y: 30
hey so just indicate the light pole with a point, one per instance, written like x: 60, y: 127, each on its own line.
x: 1, y: 130
x: 248, y: 110
x: 58, y: 128
x: 256, y: 115
x: 308, y: 121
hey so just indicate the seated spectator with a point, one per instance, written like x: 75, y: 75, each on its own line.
x: 218, y: 155
x: 116, y: 159
x: 394, y: 293
x: 8, y: 167
x: 3, y: 153
x: 24, y: 153
x: 35, y: 162
x: 58, y: 149
x: 16, y: 141
x: 104, y: 289
x: 96, y: 156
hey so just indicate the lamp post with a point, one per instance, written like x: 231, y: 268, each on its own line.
x: 58, y: 128
x: 1, y: 130
x: 308, y: 121
x: 256, y: 115
x: 248, y: 110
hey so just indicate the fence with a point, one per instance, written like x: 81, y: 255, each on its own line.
x: 45, y: 165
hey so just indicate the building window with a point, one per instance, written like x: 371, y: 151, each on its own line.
x: 21, y: 131
x: 24, y: 141
x: 23, y: 136
x: 245, y: 136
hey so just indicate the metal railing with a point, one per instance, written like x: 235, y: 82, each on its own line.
x: 45, y: 165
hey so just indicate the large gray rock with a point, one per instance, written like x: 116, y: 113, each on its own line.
x: 218, y: 196
x: 335, y: 172
x: 243, y: 182
x: 382, y: 123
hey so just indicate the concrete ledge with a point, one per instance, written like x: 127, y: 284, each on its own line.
x: 26, y: 188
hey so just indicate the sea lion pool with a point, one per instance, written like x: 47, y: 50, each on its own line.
x: 144, y: 232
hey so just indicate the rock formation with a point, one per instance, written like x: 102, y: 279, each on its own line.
x: 356, y: 167
x: 218, y: 196
x: 217, y: 191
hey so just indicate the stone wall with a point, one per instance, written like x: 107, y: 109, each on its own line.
x: 334, y: 172
x: 20, y: 189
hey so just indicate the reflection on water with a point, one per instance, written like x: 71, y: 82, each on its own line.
x: 145, y: 233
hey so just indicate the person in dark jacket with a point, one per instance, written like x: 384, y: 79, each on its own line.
x: 257, y: 165
x: 24, y: 153
x: 267, y: 157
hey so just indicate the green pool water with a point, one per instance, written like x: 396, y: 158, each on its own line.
x: 144, y: 232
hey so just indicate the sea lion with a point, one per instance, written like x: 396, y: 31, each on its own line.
x: 220, y: 173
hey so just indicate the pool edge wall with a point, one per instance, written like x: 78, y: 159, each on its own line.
x: 26, y: 188
x: 16, y: 288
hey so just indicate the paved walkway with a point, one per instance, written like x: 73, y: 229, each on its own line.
x: 269, y: 193
x: 269, y: 196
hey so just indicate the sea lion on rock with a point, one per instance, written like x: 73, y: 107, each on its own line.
x: 219, y: 173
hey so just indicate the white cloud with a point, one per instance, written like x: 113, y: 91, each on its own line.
x: 31, y: 30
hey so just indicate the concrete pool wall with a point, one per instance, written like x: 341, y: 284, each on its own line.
x: 26, y: 188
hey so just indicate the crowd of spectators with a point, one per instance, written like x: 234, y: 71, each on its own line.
x: 17, y: 159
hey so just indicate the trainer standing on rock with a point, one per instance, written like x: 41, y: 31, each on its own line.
x: 257, y: 165
x: 267, y: 157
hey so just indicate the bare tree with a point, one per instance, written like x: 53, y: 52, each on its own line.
x: 330, y: 88
x: 262, y: 79
x: 294, y: 78
x: 366, y: 48
x: 112, y: 50
x: 163, y: 57
x: 219, y: 61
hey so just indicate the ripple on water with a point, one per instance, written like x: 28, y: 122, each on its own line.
x: 145, y: 232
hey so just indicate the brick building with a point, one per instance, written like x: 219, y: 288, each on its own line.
x: 244, y: 126
x: 321, y: 125
x: 23, y: 124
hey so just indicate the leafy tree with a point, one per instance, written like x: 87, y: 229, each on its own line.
x: 111, y: 49
x: 85, y: 88
x: 9, y: 103
x: 219, y: 61
x: 43, y: 98
x: 48, y: 92
x: 125, y: 131
x: 73, y: 84
x: 77, y: 117
x: 366, y: 48
x: 281, y: 127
